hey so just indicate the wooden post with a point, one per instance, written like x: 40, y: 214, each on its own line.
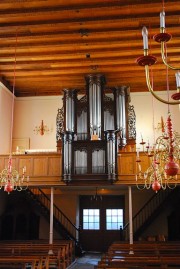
x: 130, y: 221
x: 51, y: 223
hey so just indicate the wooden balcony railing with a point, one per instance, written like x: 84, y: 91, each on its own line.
x: 45, y: 169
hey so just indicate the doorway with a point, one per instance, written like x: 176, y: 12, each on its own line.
x: 101, y: 221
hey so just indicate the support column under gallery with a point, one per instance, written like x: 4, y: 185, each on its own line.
x: 130, y: 220
x: 51, y: 223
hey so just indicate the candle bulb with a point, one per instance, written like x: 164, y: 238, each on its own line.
x: 145, y: 37
x: 137, y: 152
x: 162, y: 19
x: 177, y: 75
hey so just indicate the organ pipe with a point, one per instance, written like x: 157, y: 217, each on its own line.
x: 70, y: 97
x: 120, y: 103
x: 95, y: 86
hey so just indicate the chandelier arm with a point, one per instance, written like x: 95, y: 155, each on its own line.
x: 147, y: 184
x: 164, y: 186
x: 142, y: 176
x: 139, y: 187
x: 152, y: 91
x: 21, y: 188
x: 171, y: 187
x: 164, y: 58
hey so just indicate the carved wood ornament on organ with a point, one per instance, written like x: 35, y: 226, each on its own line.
x: 91, y: 129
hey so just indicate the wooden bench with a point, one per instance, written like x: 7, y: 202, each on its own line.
x: 144, y: 248
x: 62, y: 257
x: 35, y: 262
x: 141, y: 255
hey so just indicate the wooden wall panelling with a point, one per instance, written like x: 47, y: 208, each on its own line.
x: 2, y: 164
x: 25, y: 162
x: 54, y: 166
x: 145, y: 161
x: 40, y: 165
x: 126, y: 163
x: 14, y: 162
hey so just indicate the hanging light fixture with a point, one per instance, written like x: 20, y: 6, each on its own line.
x: 165, y: 156
x: 96, y: 196
x: 10, y: 178
x: 147, y: 60
x: 164, y: 161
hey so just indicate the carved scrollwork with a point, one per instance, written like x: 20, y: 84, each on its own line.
x: 60, y: 124
x: 131, y: 122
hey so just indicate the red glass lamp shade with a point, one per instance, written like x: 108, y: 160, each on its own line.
x: 171, y: 168
x: 146, y: 60
x: 156, y: 186
x: 176, y: 96
x: 162, y: 37
x: 8, y: 187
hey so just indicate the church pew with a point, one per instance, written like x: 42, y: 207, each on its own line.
x: 35, y: 262
x: 145, y: 255
x: 144, y: 248
x: 62, y: 251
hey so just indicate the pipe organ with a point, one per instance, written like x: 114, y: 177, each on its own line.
x: 91, y: 129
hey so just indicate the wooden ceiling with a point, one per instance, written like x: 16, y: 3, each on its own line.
x: 58, y: 42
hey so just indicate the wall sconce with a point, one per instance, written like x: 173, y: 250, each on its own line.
x: 42, y: 129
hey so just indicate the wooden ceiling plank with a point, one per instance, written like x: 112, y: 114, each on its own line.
x: 59, y: 42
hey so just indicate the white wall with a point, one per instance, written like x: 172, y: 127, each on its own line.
x: 5, y: 119
x: 148, y: 114
x: 29, y: 112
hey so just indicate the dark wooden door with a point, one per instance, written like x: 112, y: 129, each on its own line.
x: 100, y: 239
x: 174, y: 226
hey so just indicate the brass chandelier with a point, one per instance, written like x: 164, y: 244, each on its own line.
x: 165, y: 155
x: 164, y: 161
x: 148, y: 60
